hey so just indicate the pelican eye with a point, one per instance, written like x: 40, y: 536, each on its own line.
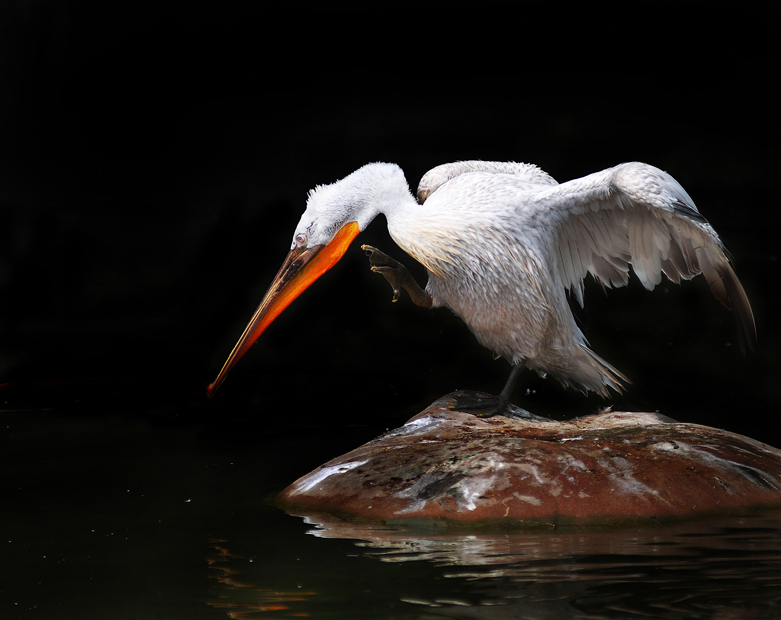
x: 301, y: 240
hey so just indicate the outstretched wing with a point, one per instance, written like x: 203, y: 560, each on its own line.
x: 436, y: 177
x: 637, y: 214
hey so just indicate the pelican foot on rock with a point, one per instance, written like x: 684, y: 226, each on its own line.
x: 484, y: 405
x: 479, y: 404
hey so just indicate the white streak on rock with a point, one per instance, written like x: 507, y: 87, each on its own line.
x: 311, y: 481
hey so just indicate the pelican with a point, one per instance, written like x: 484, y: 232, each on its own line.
x: 504, y: 244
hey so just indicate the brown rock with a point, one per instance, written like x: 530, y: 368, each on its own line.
x: 451, y: 466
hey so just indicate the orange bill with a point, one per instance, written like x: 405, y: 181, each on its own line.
x: 301, y: 267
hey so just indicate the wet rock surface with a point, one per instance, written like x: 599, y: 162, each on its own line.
x: 610, y: 467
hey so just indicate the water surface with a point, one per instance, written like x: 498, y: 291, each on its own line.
x: 718, y: 567
x: 149, y: 516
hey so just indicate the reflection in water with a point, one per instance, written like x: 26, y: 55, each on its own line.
x: 240, y: 599
x: 726, y: 567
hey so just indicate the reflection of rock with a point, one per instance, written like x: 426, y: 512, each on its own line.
x: 724, y: 566
x: 540, y: 552
x: 452, y: 466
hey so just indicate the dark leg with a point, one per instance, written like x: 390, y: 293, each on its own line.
x: 397, y: 276
x: 490, y: 405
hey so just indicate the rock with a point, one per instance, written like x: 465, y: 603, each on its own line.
x: 606, y: 468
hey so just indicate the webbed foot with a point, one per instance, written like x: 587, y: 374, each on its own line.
x: 479, y: 404
x: 392, y: 270
x: 482, y: 405
x: 397, y: 276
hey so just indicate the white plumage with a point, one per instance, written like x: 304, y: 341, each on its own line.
x: 502, y: 242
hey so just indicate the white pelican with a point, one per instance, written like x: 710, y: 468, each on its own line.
x: 502, y: 242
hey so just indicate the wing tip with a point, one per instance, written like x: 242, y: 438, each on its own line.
x: 738, y: 302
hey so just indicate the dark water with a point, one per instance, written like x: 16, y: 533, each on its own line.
x: 128, y: 516
x: 726, y: 567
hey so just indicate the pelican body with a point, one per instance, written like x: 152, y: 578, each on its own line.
x: 502, y: 243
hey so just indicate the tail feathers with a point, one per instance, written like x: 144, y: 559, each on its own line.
x: 588, y: 371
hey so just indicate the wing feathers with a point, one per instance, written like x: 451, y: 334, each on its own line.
x: 440, y: 175
x: 747, y: 330
x: 636, y: 214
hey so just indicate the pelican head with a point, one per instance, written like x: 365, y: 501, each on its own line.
x: 334, y: 216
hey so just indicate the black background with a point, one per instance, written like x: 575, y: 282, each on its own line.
x: 153, y: 164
